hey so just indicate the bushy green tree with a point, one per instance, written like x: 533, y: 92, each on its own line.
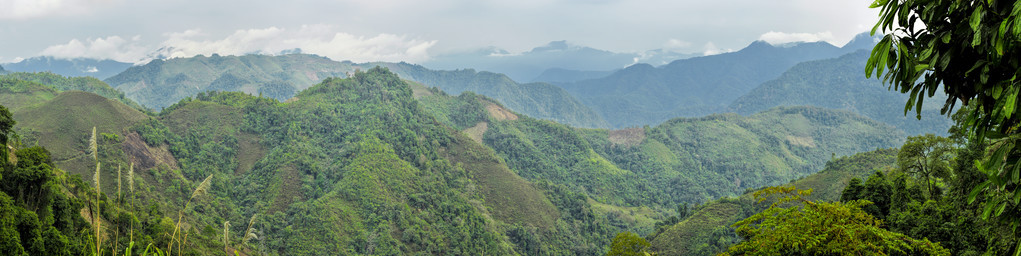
x: 629, y: 244
x: 927, y: 157
x: 793, y: 225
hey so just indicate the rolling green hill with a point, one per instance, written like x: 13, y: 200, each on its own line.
x: 85, y: 84
x: 63, y: 124
x: 684, y: 160
x: 839, y: 84
x: 17, y: 94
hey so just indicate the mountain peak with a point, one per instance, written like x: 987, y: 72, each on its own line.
x: 552, y: 46
x: 862, y: 41
x: 758, y: 45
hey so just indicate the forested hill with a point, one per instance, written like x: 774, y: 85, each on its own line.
x: 645, y: 95
x: 706, y: 229
x: 838, y: 83
x: 163, y: 82
x: 683, y: 160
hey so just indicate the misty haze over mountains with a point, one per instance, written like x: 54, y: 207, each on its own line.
x: 598, y: 94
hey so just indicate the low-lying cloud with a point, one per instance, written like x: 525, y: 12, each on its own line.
x: 112, y: 47
x: 322, y: 40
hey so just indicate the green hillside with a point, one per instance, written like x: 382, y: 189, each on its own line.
x: 333, y: 155
x: 684, y: 160
x: 63, y: 124
x: 85, y: 84
x: 838, y: 83
x: 707, y: 230
x: 373, y: 164
x: 17, y: 94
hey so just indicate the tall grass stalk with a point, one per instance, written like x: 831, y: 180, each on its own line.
x: 202, y: 189
x: 93, y: 148
x: 250, y: 232
x: 95, y: 212
x: 119, y: 183
x: 226, y: 237
x: 131, y: 192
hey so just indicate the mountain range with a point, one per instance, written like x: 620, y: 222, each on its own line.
x: 75, y: 67
x: 528, y: 66
x: 839, y: 83
x: 643, y: 94
x: 161, y: 83
x: 375, y: 164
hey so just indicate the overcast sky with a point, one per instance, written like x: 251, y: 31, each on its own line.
x: 405, y: 30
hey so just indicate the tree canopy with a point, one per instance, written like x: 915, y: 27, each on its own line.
x: 969, y: 50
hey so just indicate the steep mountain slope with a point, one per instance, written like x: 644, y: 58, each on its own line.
x: 707, y: 231
x: 643, y: 95
x: 839, y: 83
x: 77, y: 67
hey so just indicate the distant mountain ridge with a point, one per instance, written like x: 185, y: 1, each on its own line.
x: 840, y: 83
x: 528, y: 66
x: 539, y: 100
x: 560, y: 75
x: 161, y: 83
x: 644, y: 95
x: 101, y: 69
x: 164, y: 82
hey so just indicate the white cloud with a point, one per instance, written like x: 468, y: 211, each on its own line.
x: 25, y: 9
x: 675, y: 44
x: 112, y: 47
x: 711, y: 49
x: 774, y: 37
x: 315, y: 39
